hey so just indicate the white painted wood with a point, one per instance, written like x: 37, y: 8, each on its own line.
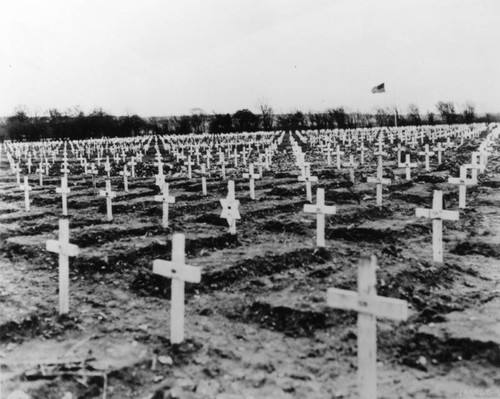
x: 320, y: 209
x: 27, y: 188
x: 65, y: 250
x: 165, y: 199
x: 179, y: 272
x: 437, y: 214
x: 230, y: 207
x: 369, y: 306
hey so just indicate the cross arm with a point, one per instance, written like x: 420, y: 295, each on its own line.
x: 168, y: 269
x: 63, y: 249
x: 389, y: 308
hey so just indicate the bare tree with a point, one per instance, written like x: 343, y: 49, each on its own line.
x: 413, y: 115
x: 267, y: 114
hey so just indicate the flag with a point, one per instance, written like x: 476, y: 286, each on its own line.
x: 379, y: 89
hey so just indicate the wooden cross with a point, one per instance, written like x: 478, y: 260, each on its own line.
x: 320, y: 209
x: 251, y: 176
x: 165, y: 199
x: 230, y: 207
x: 463, y: 182
x: 407, y: 165
x: 203, y: 179
x: 65, y: 250
x: 306, y: 176
x: 189, y: 164
x: 361, y: 150
x: 437, y: 214
x: 93, y: 172
x: 64, y: 191
x: 29, y: 164
x: 39, y: 170
x: 380, y: 153
x: 17, y: 170
x: 400, y: 149
x: 427, y: 153
x: 107, y: 167
x: 109, y: 196
x: 179, y: 272
x: 27, y: 188
x: 338, y: 153
x: 125, y: 173
x: 132, y: 164
x: 474, y: 165
x: 222, y: 163
x: 208, y: 156
x: 379, y: 180
x: 351, y: 165
x: 369, y: 307
x: 439, y: 151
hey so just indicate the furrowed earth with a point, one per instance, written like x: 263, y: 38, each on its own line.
x: 257, y: 326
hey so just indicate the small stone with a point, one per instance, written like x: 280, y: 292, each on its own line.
x: 158, y: 378
x: 422, y: 361
x: 165, y: 360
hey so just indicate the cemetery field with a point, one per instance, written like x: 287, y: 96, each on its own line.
x: 258, y: 325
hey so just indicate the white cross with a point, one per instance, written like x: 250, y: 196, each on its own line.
x: 65, y: 250
x: 439, y: 151
x: 17, y: 170
x: 125, y: 173
x: 107, y: 167
x: 251, y: 176
x: 320, y: 209
x: 27, y: 188
x: 407, y: 165
x: 463, y: 182
x: 203, y: 173
x: 338, y: 153
x: 40, y: 172
x: 179, y: 272
x: 474, y: 165
x: 306, y: 176
x: 132, y: 164
x: 369, y: 306
x: 64, y: 191
x: 230, y: 207
x: 437, y: 214
x: 165, y: 199
x: 222, y: 163
x: 427, y: 154
x: 351, y: 165
x: 109, y: 196
x: 379, y: 180
x: 189, y: 164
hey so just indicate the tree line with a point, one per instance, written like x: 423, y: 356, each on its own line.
x: 75, y: 124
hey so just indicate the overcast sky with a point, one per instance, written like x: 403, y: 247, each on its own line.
x: 159, y: 57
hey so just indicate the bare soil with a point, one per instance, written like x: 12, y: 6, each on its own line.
x: 257, y: 326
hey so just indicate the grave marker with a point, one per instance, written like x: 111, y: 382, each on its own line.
x: 407, y: 165
x: 230, y: 207
x: 64, y: 191
x: 27, y: 188
x: 369, y: 306
x: 379, y: 180
x: 125, y: 173
x: 165, y: 199
x: 463, y: 182
x: 306, y: 176
x: 437, y: 214
x: 179, y: 272
x: 65, y: 250
x: 427, y: 153
x: 251, y: 176
x: 109, y: 196
x: 320, y: 209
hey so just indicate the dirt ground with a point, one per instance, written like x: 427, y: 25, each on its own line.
x: 257, y: 326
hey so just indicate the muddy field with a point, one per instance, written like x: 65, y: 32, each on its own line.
x: 257, y: 325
